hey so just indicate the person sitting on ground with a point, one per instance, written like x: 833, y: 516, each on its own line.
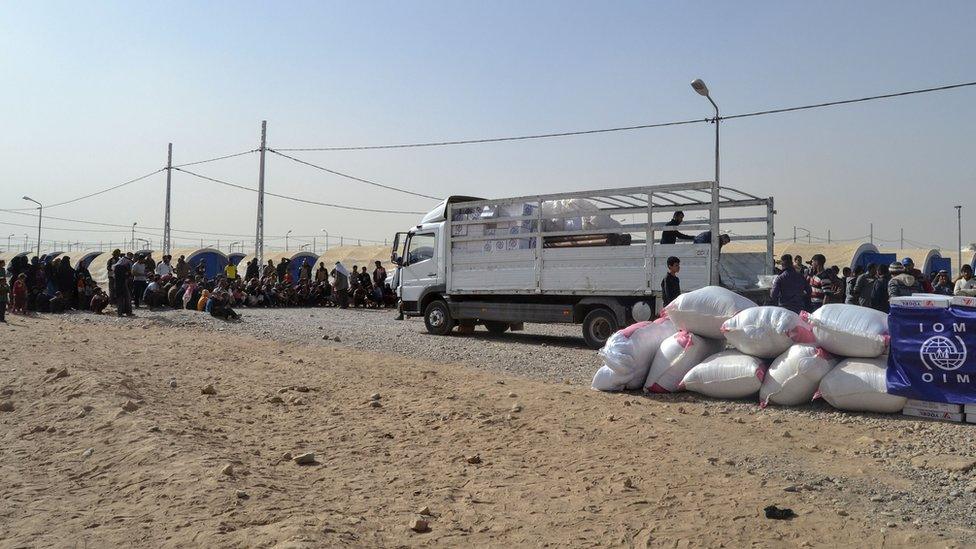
x: 965, y: 284
x: 670, y: 284
x: 220, y: 307
x: 671, y: 236
x: 154, y: 295
x: 57, y: 303
x: 943, y: 286
x: 790, y: 289
x: 901, y: 284
x: 202, y: 302
x: 98, y: 301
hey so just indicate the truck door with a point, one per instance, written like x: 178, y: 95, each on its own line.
x: 419, y: 269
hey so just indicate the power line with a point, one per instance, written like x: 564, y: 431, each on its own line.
x: 296, y: 199
x: 848, y: 101
x: 499, y: 139
x: 630, y: 128
x: 347, y: 176
x: 215, y: 159
x: 103, y: 191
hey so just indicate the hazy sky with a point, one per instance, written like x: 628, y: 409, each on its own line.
x: 92, y: 92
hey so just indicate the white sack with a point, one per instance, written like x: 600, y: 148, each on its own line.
x: 794, y: 376
x: 850, y: 330
x: 766, y: 332
x: 628, y: 354
x: 860, y: 385
x: 678, y: 354
x: 703, y: 311
x: 729, y: 374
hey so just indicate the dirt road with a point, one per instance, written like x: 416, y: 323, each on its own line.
x: 112, y: 442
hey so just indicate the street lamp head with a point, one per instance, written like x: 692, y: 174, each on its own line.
x: 699, y: 86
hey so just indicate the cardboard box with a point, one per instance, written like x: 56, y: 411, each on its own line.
x: 935, y: 406
x: 932, y: 414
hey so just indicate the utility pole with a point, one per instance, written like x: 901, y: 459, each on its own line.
x: 901, y: 245
x: 169, y: 178
x: 828, y: 236
x: 872, y: 233
x: 259, y: 234
x: 959, y: 226
x: 794, y: 234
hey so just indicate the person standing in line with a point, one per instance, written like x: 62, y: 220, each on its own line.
x: 4, y: 292
x: 965, y: 284
x: 800, y: 267
x: 182, y: 268
x: 790, y: 288
x: 251, y: 272
x: 116, y: 255
x: 230, y: 271
x: 942, y: 284
x: 879, y: 296
x: 850, y: 281
x: 163, y: 268
x: 19, y: 294
x: 902, y: 283
x: 122, y: 279
x: 341, y: 277
x: 670, y: 284
x: 821, y: 281
x: 379, y: 275
x: 139, y: 282
x: 321, y: 274
x: 864, y: 286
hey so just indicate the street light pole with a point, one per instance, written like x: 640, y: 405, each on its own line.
x: 326, y: 239
x: 959, y: 227
x: 133, y: 242
x: 40, y: 212
x: 699, y: 86
x: 8, y: 243
x: 286, y: 239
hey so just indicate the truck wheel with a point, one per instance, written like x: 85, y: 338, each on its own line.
x: 598, y: 326
x: 438, y: 319
x: 496, y: 327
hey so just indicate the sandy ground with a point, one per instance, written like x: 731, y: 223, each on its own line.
x: 496, y: 460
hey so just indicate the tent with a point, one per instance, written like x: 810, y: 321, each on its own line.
x: 235, y: 257
x: 841, y: 254
x: 84, y: 259
x: 296, y: 258
x: 358, y: 255
x: 7, y: 257
x: 213, y: 259
x: 925, y: 258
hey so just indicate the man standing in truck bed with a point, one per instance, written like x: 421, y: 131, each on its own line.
x: 672, y: 236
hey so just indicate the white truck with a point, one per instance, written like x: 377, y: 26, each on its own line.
x: 590, y: 258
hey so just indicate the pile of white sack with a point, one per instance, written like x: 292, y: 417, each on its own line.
x: 715, y: 342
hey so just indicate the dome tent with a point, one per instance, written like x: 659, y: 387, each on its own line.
x: 235, y: 257
x: 84, y: 259
x: 296, y: 259
x: 847, y: 254
x: 358, y: 255
x: 925, y: 258
x: 213, y: 259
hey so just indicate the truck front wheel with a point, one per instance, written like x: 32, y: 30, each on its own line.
x: 438, y: 319
x: 598, y: 326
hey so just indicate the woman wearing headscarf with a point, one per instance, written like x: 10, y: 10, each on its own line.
x: 341, y: 284
x: 66, y: 282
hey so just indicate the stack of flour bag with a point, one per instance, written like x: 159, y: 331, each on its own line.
x: 720, y: 344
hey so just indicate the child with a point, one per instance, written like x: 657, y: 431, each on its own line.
x: 20, y: 295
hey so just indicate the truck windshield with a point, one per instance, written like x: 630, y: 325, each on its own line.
x: 420, y: 248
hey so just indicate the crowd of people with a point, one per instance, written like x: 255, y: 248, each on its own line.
x: 800, y: 286
x: 53, y: 285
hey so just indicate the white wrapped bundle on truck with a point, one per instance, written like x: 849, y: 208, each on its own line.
x: 676, y: 357
x: 728, y: 374
x: 766, y: 332
x: 860, y: 385
x: 794, y: 376
x: 703, y: 311
x: 628, y: 354
x: 850, y: 330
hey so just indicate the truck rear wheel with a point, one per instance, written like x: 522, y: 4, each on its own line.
x: 598, y: 326
x: 438, y: 319
x: 496, y: 327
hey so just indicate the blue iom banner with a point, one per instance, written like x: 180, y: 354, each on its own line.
x: 933, y: 354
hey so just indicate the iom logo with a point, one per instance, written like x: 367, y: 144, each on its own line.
x: 943, y: 353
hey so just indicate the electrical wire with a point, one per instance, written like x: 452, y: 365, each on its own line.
x: 499, y: 139
x: 630, y: 128
x: 347, y: 176
x: 103, y: 191
x: 216, y: 159
x: 296, y: 199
